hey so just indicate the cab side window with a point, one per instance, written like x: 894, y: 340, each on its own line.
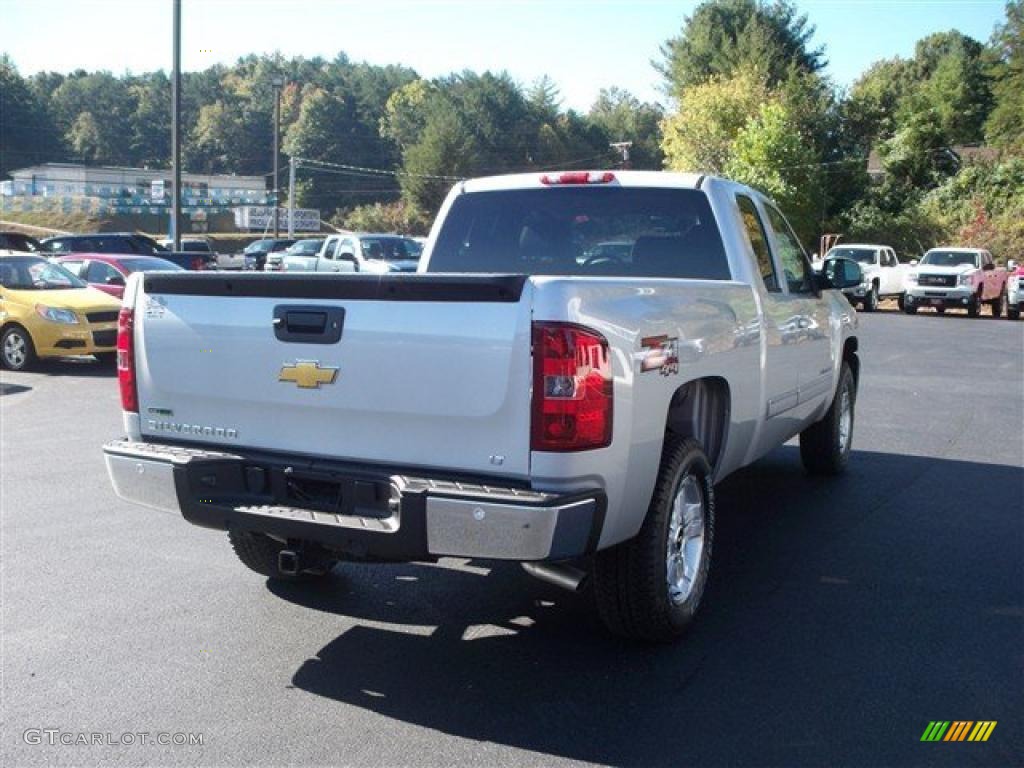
x: 791, y: 254
x: 100, y: 272
x: 74, y: 267
x: 331, y: 249
x: 758, y: 242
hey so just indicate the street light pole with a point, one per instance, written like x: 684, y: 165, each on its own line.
x: 176, y: 130
x: 278, y: 82
x: 291, y: 197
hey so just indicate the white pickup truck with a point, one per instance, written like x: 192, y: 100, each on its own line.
x: 884, y: 276
x: 514, y: 400
x: 362, y: 252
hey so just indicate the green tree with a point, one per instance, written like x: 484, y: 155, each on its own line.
x: 951, y: 81
x: 399, y: 217
x: 447, y: 147
x: 27, y: 134
x: 150, y: 141
x: 770, y: 154
x: 85, y: 138
x: 723, y: 37
x: 1005, y: 124
x: 111, y: 106
x: 405, y: 113
x: 869, y: 112
x: 623, y: 117
x: 700, y: 136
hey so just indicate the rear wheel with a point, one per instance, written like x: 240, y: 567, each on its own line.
x: 261, y: 554
x: 106, y: 358
x: 901, y: 303
x: 1013, y: 311
x: 16, y: 349
x: 825, y: 445
x: 910, y: 309
x: 650, y: 587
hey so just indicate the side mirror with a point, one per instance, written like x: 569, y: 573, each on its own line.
x: 114, y: 280
x: 913, y: 262
x: 1011, y: 265
x: 842, y: 273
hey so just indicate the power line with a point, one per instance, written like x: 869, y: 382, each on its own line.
x: 302, y: 161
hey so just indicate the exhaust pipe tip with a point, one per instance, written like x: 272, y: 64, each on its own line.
x: 561, y: 575
x: 288, y: 562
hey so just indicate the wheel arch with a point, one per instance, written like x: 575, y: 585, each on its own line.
x: 701, y: 409
x: 850, y: 357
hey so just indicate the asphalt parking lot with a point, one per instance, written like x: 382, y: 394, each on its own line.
x: 842, y: 615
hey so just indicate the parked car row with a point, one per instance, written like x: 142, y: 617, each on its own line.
x: 944, y: 278
x: 356, y: 252
x: 46, y: 311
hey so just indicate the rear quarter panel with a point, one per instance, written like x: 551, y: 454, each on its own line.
x: 717, y: 334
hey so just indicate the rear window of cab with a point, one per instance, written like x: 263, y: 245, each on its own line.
x: 580, y: 230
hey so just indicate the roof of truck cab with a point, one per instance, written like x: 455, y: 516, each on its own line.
x: 666, y: 179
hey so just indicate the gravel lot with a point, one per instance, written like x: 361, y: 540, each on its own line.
x: 842, y: 615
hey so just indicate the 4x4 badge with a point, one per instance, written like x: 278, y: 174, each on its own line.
x: 307, y: 374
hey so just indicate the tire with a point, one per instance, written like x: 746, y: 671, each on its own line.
x: 825, y: 445
x: 635, y: 597
x: 1012, y: 313
x: 106, y: 358
x: 901, y: 303
x: 910, y: 309
x: 259, y: 553
x: 997, y: 304
x: 974, y: 306
x: 870, y: 303
x: 940, y: 310
x: 17, y: 352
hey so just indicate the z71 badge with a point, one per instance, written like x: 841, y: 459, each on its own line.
x: 661, y: 353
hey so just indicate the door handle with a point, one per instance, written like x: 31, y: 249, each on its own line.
x: 308, y: 324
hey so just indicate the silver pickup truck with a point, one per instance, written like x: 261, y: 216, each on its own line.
x: 580, y: 359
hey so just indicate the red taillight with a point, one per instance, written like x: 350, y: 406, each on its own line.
x: 572, y: 389
x: 126, y: 360
x: 578, y: 177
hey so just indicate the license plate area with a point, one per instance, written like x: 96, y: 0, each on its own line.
x: 336, y: 495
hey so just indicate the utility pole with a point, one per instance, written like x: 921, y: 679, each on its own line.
x: 176, y: 130
x: 291, y: 197
x: 623, y: 147
x: 278, y: 82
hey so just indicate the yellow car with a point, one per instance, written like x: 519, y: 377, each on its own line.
x: 45, y: 311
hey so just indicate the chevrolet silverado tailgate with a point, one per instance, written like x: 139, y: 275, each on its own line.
x: 430, y: 371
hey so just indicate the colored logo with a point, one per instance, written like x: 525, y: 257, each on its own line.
x: 958, y: 730
x: 661, y: 353
x: 308, y: 374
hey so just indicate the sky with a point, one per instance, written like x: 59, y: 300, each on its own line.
x: 582, y: 45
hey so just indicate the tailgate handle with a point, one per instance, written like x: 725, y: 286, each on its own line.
x: 305, y: 324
